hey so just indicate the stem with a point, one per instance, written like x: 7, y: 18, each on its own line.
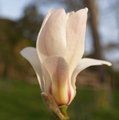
x: 63, y: 110
x: 60, y: 111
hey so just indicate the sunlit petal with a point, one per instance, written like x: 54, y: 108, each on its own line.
x: 52, y: 39
x: 45, y: 20
x: 58, y: 70
x: 84, y: 63
x: 30, y: 54
x: 76, y: 28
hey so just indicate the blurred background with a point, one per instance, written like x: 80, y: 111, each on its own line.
x: 98, y: 87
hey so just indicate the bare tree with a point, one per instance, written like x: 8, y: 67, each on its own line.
x: 93, y: 19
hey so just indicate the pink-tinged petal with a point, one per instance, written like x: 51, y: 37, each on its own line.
x: 59, y: 72
x: 44, y: 21
x: 47, y: 80
x: 52, y: 39
x: 30, y: 54
x: 75, y: 35
x: 84, y: 63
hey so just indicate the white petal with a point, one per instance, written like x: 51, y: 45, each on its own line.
x: 30, y: 54
x: 84, y: 63
x: 47, y: 80
x: 59, y: 72
x: 52, y: 39
x: 44, y: 21
x: 76, y: 28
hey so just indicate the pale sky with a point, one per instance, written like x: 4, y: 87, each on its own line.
x: 12, y: 9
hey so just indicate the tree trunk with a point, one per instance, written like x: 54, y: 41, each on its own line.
x: 93, y: 22
x: 93, y: 19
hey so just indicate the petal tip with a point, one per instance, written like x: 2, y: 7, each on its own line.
x: 23, y: 51
x: 107, y: 63
x: 83, y: 11
x: 86, y: 9
x: 60, y: 10
x: 27, y: 51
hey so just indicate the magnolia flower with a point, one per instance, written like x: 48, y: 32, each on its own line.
x: 57, y: 58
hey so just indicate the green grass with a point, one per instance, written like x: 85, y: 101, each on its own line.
x: 20, y: 100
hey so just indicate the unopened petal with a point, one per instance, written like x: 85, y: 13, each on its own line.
x: 76, y: 28
x: 30, y: 54
x: 84, y: 63
x: 52, y: 39
x: 59, y: 72
x: 45, y: 20
x: 46, y: 79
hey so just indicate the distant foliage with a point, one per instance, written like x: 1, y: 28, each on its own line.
x: 14, y: 36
